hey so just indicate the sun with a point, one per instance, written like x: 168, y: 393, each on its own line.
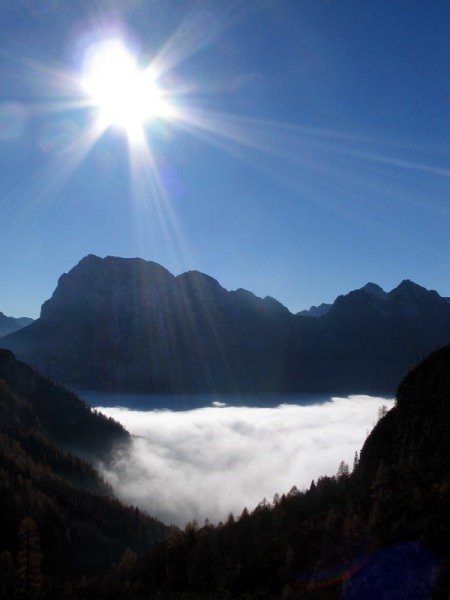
x: 125, y: 95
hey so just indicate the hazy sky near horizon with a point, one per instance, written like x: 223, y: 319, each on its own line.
x: 208, y: 462
x: 305, y: 151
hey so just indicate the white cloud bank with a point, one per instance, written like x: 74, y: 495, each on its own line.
x: 208, y: 462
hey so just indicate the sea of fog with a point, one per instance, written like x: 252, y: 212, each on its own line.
x: 205, y: 456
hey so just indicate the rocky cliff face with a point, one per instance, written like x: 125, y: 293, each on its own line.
x: 130, y: 325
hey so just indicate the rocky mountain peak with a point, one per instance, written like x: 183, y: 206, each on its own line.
x: 96, y: 282
x: 128, y: 324
x: 374, y: 290
x: 276, y: 306
x: 196, y: 279
x: 316, y: 311
x: 408, y: 291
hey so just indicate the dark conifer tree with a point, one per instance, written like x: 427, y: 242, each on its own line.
x: 29, y: 558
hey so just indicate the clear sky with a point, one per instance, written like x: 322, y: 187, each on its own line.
x: 296, y: 148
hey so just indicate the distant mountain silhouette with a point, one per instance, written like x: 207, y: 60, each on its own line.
x: 11, y: 324
x: 368, y: 339
x: 315, y: 311
x: 130, y: 325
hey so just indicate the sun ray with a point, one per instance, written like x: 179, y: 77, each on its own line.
x: 332, y: 168
x: 282, y: 140
x: 197, y: 31
x: 63, y: 165
x: 150, y: 201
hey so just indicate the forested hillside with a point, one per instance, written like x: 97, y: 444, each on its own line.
x: 52, y: 410
x: 382, y: 531
x: 378, y: 529
x: 59, y: 520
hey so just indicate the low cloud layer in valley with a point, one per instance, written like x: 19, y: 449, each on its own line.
x: 208, y: 462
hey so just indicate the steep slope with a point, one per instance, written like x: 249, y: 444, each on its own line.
x: 414, y: 434
x: 78, y: 526
x: 56, y: 413
x: 93, y: 328
x: 130, y: 325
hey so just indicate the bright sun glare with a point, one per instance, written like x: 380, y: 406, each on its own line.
x: 125, y: 95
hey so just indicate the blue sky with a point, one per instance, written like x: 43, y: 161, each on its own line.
x: 309, y: 153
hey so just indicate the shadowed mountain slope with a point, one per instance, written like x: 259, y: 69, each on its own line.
x: 56, y: 413
x: 368, y: 339
x: 77, y: 524
x: 381, y: 532
x: 130, y: 325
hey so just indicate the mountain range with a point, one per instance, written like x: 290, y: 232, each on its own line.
x: 11, y: 324
x: 130, y: 325
x: 381, y: 530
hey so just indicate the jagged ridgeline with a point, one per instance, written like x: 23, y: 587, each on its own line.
x: 58, y: 517
x: 130, y: 325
